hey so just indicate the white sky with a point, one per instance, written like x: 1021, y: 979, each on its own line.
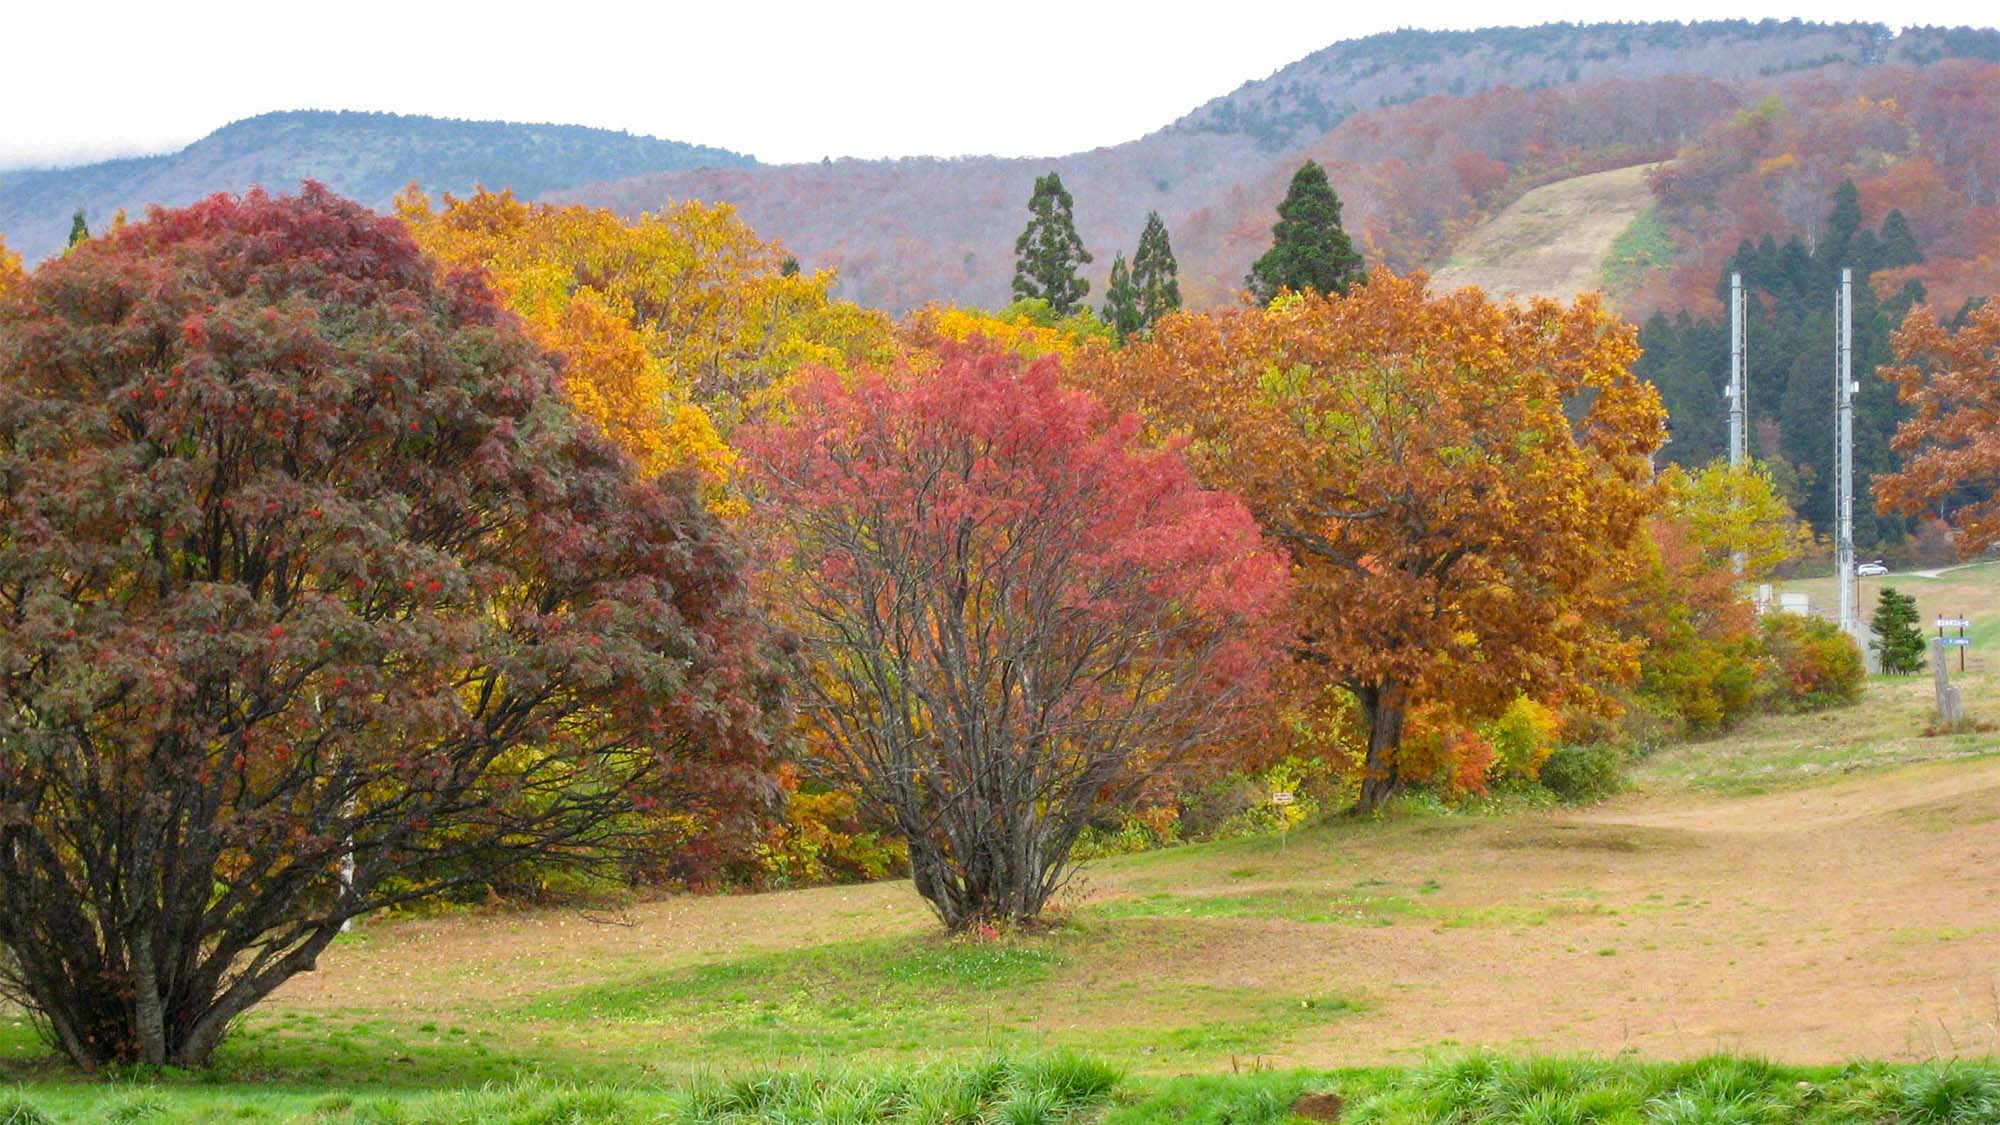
x: 783, y: 80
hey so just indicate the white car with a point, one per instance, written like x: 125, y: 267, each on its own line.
x: 1870, y: 570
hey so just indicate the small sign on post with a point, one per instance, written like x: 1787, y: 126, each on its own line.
x: 1281, y: 798
x: 1961, y: 642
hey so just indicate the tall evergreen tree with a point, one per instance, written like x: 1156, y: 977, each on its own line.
x: 1155, y: 273
x: 1049, y: 251
x: 1897, y: 637
x: 79, y: 230
x: 1121, y: 301
x: 1899, y: 245
x: 1309, y: 250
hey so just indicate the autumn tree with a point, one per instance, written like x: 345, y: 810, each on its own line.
x: 675, y: 326
x: 1012, y: 614
x: 1121, y: 301
x: 1155, y: 273
x: 315, y: 599
x: 79, y: 230
x: 1734, y: 513
x: 1049, y: 253
x: 11, y: 272
x: 1950, y: 445
x: 1310, y: 252
x: 1898, y: 640
x: 1453, y: 478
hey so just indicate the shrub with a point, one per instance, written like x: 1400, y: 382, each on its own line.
x: 1580, y: 774
x: 1810, y: 664
x: 823, y: 839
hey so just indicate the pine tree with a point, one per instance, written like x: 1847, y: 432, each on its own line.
x: 1155, y: 273
x: 1309, y: 250
x: 1897, y: 637
x: 79, y: 230
x: 1899, y: 245
x: 1049, y: 251
x: 1121, y: 301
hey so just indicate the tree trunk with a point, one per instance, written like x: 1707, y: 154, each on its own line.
x: 1382, y: 706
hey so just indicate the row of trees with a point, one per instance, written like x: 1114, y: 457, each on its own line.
x: 346, y: 561
x: 1310, y: 252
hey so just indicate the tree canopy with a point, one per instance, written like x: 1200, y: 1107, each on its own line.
x: 1451, y: 521
x: 306, y: 560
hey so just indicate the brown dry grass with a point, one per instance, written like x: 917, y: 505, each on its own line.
x: 1552, y: 242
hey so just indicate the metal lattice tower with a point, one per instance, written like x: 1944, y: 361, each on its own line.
x: 1843, y: 438
x: 1737, y: 393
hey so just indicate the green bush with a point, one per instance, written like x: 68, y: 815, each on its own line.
x: 1810, y: 664
x: 1580, y: 774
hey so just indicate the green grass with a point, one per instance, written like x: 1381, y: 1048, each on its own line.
x: 1467, y: 1089
x: 1639, y: 249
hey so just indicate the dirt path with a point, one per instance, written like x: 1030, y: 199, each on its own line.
x: 1553, y: 240
x: 1857, y: 918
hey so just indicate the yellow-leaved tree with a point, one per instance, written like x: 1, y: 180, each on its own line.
x: 677, y: 325
x: 11, y: 273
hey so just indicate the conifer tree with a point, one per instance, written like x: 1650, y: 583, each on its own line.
x: 1897, y: 637
x: 1121, y: 301
x: 1899, y: 245
x: 1155, y: 273
x: 1049, y: 251
x: 1309, y: 250
x: 79, y: 230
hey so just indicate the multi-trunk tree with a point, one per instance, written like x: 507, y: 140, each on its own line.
x: 1011, y: 614
x: 1049, y: 254
x: 1454, y: 478
x: 316, y: 598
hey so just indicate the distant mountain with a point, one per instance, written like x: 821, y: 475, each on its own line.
x: 1311, y: 96
x: 366, y: 156
x: 1425, y: 134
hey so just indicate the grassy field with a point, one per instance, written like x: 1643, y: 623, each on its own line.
x: 1811, y: 890
x: 1554, y: 241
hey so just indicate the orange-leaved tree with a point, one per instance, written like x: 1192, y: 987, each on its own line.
x: 1452, y: 476
x: 676, y: 325
x: 1950, y: 445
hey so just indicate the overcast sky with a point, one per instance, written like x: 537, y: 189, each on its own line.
x: 779, y: 79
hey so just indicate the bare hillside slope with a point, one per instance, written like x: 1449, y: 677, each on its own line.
x: 1552, y: 242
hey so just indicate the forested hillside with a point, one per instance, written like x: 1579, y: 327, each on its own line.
x: 1424, y: 134
x: 367, y: 156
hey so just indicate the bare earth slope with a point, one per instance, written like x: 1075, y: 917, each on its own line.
x: 1551, y: 242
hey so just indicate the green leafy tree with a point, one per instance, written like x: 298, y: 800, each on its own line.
x: 1897, y: 638
x: 79, y: 230
x: 1121, y: 301
x: 1309, y: 250
x: 1049, y: 252
x: 1155, y: 273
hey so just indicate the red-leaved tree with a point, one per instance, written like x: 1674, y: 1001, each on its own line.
x: 315, y: 598
x: 1011, y: 613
